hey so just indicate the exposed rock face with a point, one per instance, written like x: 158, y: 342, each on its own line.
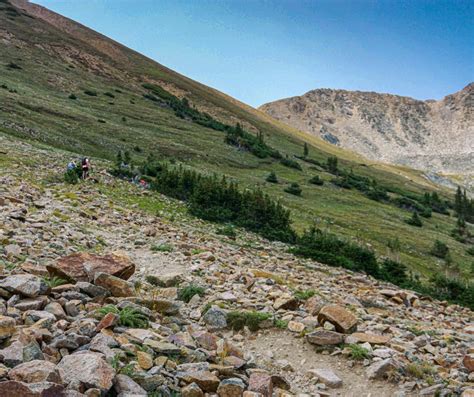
x: 432, y: 135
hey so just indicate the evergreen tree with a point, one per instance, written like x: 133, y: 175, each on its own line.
x: 294, y: 189
x: 331, y: 165
x: 415, y: 220
x: 440, y: 249
x: 272, y: 178
x: 305, y: 150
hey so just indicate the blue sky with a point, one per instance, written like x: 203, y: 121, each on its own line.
x: 259, y: 51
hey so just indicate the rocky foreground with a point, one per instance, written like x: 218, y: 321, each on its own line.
x: 98, y: 297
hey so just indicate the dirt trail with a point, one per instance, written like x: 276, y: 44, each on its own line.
x: 272, y: 348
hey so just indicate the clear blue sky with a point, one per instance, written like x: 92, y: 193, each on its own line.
x: 259, y: 51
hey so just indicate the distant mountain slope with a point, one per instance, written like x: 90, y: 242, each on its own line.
x: 432, y: 135
x: 68, y: 87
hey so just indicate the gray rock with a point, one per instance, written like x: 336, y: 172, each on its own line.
x: 326, y: 376
x: 25, y: 284
x: 87, y: 369
x: 127, y: 387
x: 323, y: 337
x: 216, y: 318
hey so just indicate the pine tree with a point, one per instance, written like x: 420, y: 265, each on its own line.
x: 305, y: 150
x: 415, y: 220
x: 272, y: 178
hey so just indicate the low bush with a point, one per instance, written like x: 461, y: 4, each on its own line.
x: 358, y: 352
x: 293, y: 189
x: 237, y: 320
x: 72, y: 96
x: 162, y: 248
x: 304, y: 294
x: 329, y: 249
x: 71, y: 177
x: 54, y: 281
x: 272, y: 178
x: 316, y: 180
x: 287, y: 162
x: 440, y: 249
x: 90, y: 93
x: 128, y: 316
x: 228, y: 231
x: 185, y: 294
x: 414, y: 220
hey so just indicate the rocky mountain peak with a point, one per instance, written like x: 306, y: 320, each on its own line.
x: 435, y: 135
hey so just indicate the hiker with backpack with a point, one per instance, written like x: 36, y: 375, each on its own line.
x: 71, y: 166
x: 86, y: 165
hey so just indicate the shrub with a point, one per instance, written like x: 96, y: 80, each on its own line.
x: 440, y: 249
x: 54, y: 281
x: 331, y: 165
x: 394, y: 272
x: 357, y: 352
x: 415, y: 220
x: 316, y: 180
x: 304, y: 294
x: 282, y: 324
x: 470, y: 250
x: 185, y: 294
x: 162, y: 248
x: 237, y: 320
x: 228, y: 231
x: 90, y: 93
x: 12, y: 65
x: 294, y: 189
x: 109, y: 94
x: 71, y: 177
x: 272, y: 178
x: 72, y: 96
x: 242, y: 139
x: 420, y: 370
x: 329, y: 249
x: 287, y: 162
x: 128, y: 316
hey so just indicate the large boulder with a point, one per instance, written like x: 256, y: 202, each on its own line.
x: 35, y: 371
x: 322, y: 337
x: 88, y: 370
x: 342, y: 319
x: 25, y: 284
x: 115, y: 285
x: 83, y: 266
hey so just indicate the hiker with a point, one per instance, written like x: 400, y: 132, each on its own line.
x: 71, y: 166
x: 86, y: 165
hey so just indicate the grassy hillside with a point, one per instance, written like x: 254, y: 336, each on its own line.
x: 45, y: 65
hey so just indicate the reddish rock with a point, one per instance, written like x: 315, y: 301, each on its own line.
x: 468, y: 362
x: 313, y: 305
x: 12, y: 388
x: 109, y: 320
x: 206, y: 340
x: 207, y: 381
x: 116, y: 286
x: 341, y: 318
x: 83, y: 266
x: 261, y: 382
x: 35, y: 371
x: 323, y: 337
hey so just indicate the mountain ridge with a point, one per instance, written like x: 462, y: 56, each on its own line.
x: 388, y: 127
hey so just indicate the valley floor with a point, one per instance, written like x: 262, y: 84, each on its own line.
x: 414, y: 346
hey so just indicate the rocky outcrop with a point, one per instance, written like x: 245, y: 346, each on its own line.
x: 432, y: 135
